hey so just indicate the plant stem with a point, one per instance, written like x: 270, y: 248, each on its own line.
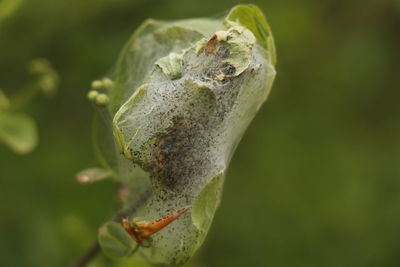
x: 135, y: 249
x: 95, y: 249
x: 88, y: 256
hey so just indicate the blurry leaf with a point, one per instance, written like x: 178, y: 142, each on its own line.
x: 18, y: 131
x: 8, y: 7
x: 39, y: 66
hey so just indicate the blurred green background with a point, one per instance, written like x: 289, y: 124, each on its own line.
x: 314, y: 182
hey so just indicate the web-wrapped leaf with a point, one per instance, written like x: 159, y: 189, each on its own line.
x: 183, y: 94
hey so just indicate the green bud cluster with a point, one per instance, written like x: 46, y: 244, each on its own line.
x: 47, y: 77
x: 99, y: 92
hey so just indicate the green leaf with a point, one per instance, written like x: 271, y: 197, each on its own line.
x: 253, y: 19
x: 171, y: 65
x: 204, y: 206
x: 115, y: 241
x: 18, y: 132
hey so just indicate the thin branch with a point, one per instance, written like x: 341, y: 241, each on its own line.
x: 95, y: 249
x: 88, y: 256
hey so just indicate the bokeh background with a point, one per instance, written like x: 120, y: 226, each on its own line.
x: 314, y: 182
